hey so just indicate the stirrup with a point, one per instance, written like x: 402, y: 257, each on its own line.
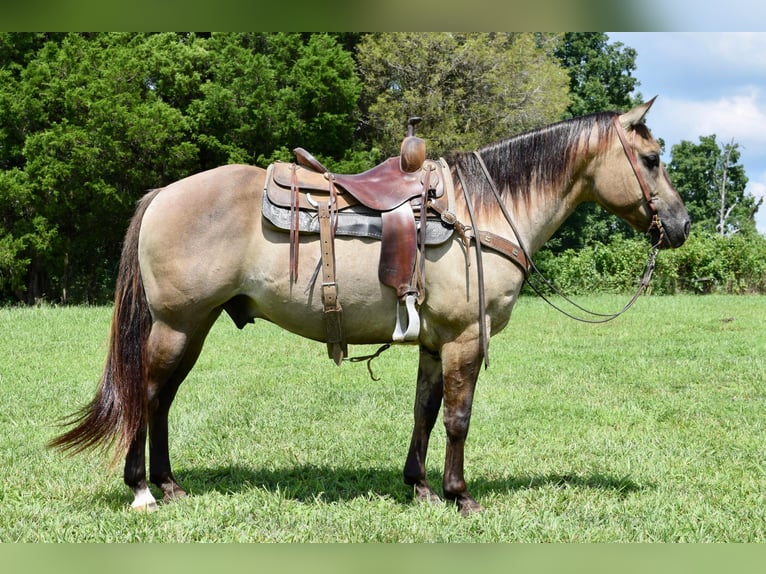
x: 413, y: 321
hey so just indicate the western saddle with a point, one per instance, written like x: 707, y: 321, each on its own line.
x: 407, y: 202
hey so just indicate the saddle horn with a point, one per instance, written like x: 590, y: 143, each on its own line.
x: 413, y: 151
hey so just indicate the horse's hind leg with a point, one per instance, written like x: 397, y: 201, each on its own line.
x: 160, y: 472
x: 165, y: 348
x: 135, y: 473
x: 428, y: 399
x: 171, y: 353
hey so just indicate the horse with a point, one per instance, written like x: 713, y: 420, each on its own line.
x: 200, y: 247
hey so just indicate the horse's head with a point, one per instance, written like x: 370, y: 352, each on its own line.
x: 633, y: 183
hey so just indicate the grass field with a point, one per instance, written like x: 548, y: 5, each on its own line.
x: 649, y: 428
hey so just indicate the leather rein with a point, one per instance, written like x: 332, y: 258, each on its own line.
x: 656, y: 223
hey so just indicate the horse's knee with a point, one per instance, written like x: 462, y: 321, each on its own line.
x: 456, y: 423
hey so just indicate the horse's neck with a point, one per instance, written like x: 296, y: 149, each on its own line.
x: 540, y: 217
x: 549, y: 206
x: 541, y: 199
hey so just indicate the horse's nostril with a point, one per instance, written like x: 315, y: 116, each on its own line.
x: 687, y: 227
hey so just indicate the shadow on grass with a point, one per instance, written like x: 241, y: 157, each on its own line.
x: 621, y: 486
x: 306, y: 483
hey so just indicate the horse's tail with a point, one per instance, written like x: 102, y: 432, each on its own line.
x: 119, y: 409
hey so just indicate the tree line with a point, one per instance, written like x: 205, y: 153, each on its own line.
x: 90, y: 121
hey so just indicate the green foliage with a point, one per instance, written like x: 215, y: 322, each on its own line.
x: 615, y: 267
x: 470, y: 89
x: 271, y: 92
x: 600, y: 73
x: 710, y: 263
x: 707, y: 263
x: 88, y: 122
x: 94, y: 136
x: 713, y: 186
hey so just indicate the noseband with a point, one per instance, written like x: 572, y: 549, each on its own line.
x: 630, y: 153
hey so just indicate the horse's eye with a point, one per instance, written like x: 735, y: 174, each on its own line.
x: 652, y: 160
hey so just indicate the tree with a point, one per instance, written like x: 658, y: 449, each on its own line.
x: 600, y: 79
x: 712, y: 184
x: 88, y: 122
x: 94, y: 134
x: 269, y: 93
x: 600, y: 73
x: 470, y: 89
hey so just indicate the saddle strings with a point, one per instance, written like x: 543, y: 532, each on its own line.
x: 479, y: 268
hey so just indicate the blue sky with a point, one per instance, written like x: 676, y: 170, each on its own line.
x: 707, y: 83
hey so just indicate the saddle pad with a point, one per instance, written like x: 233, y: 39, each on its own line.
x: 354, y: 221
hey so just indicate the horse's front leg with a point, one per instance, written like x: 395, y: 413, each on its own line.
x: 428, y: 399
x: 461, y: 364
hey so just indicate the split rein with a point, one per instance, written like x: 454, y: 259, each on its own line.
x: 591, y: 316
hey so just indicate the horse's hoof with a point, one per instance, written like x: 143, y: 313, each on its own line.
x: 425, y: 494
x: 143, y: 501
x: 148, y: 507
x: 177, y: 494
x: 469, y: 506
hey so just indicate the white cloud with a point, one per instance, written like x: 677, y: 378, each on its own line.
x: 714, y: 52
x: 758, y: 188
x: 738, y: 116
x: 740, y: 50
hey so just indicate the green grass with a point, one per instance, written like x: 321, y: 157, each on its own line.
x: 648, y: 428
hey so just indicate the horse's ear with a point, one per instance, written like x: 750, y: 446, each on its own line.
x: 636, y: 115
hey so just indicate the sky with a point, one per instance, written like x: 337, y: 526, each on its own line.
x: 707, y: 83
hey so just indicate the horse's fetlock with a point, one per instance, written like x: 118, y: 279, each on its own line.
x: 454, y: 489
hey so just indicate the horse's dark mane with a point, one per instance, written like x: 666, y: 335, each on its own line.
x: 540, y: 157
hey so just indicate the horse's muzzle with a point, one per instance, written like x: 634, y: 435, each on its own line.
x: 672, y: 232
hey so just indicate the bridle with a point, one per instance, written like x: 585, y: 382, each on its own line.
x: 630, y: 153
x: 655, y: 223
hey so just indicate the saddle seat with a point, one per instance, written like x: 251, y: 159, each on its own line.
x: 382, y: 188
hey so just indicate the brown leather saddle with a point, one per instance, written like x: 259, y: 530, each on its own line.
x: 397, y: 193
